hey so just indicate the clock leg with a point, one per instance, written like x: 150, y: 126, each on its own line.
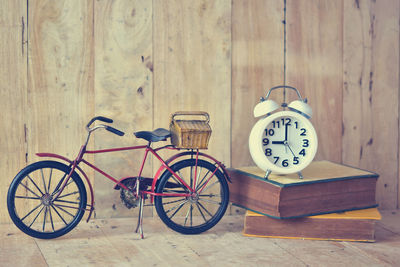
x: 300, y: 175
x: 267, y: 174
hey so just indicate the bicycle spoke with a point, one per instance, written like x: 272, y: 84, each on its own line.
x: 51, y: 220
x: 174, y: 201
x: 65, y: 201
x: 31, y: 211
x: 44, y: 182
x: 210, y: 201
x: 51, y: 172
x: 36, y: 217
x: 205, y: 209
x: 67, y: 212
x: 191, y: 215
x: 70, y: 207
x: 73, y: 193
x: 187, y: 215
x: 175, y: 207
x: 24, y: 197
x: 179, y: 182
x: 208, y: 188
x: 210, y: 195
x: 58, y: 190
x: 33, y: 182
x: 203, y: 180
x: 191, y: 176
x: 29, y: 190
x: 178, y: 209
x: 44, y: 219
x: 174, y: 191
x: 54, y: 208
x: 59, y: 184
x: 202, y: 215
x: 196, y: 178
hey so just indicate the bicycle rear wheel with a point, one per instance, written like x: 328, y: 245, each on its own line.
x: 31, y: 202
x: 200, y: 211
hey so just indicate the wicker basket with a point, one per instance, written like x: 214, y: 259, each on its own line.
x: 193, y: 134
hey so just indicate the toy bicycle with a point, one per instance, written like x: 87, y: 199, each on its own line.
x: 47, y: 199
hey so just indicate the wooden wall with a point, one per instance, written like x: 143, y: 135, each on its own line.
x: 62, y: 62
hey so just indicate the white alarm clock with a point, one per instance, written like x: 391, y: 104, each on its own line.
x: 283, y: 142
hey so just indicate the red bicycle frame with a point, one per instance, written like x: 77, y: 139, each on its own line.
x: 164, y: 166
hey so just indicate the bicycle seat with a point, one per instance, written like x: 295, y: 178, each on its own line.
x: 159, y: 134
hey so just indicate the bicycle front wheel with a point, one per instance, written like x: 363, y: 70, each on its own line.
x: 204, y: 208
x: 32, y: 204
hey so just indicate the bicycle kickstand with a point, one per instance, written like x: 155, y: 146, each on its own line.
x: 139, y: 226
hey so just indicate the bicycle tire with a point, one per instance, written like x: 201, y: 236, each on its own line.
x: 202, y: 216
x: 29, y: 188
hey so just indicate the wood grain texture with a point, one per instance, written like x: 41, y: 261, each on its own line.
x: 257, y: 65
x: 370, y: 92
x: 123, y: 81
x: 60, y: 66
x: 192, y: 67
x: 13, y: 66
x: 18, y: 249
x: 60, y: 76
x: 112, y: 242
x: 217, y: 56
x: 192, y: 59
x: 314, y: 66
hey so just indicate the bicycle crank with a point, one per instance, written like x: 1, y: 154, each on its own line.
x: 129, y: 197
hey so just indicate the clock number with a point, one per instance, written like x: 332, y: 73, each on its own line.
x: 288, y: 121
x: 269, y: 132
x: 303, y: 131
x: 302, y: 152
x: 285, y: 163
x: 265, y: 141
x: 305, y: 142
x: 295, y: 160
x: 276, y: 159
x: 297, y: 124
x: 268, y: 152
x: 275, y: 124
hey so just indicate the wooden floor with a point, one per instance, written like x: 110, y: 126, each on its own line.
x: 113, y: 243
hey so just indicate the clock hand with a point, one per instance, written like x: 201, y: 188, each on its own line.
x: 286, y: 134
x: 287, y: 145
x: 278, y: 142
x: 286, y: 131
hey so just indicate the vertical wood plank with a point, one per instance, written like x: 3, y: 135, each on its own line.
x: 60, y: 76
x: 60, y: 89
x: 370, y: 95
x: 13, y: 77
x: 192, y: 65
x: 314, y: 66
x: 123, y: 82
x: 257, y: 65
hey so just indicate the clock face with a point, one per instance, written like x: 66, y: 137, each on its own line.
x: 284, y: 142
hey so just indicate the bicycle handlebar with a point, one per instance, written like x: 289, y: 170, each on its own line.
x: 115, y: 131
x: 108, y: 128
x: 100, y: 118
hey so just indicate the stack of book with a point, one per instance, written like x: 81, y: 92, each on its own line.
x: 331, y: 202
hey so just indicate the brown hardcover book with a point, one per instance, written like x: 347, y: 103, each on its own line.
x: 358, y: 225
x: 327, y: 187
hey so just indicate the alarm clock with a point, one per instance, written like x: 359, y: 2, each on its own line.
x: 283, y: 142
